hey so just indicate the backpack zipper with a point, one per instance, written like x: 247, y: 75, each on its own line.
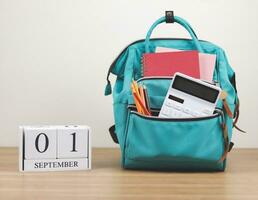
x: 168, y: 78
x: 131, y: 106
x: 154, y: 77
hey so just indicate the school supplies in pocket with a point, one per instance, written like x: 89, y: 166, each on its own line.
x: 140, y: 98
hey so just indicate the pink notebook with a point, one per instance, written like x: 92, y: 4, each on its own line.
x: 207, y: 62
x: 168, y: 63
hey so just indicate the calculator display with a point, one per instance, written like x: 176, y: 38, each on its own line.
x: 195, y: 89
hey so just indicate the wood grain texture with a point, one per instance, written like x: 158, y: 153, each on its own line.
x: 108, y: 181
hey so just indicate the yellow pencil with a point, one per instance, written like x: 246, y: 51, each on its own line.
x: 138, y: 107
x: 145, y: 111
x: 136, y: 89
x: 142, y: 95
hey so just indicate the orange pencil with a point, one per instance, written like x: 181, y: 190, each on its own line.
x: 145, y: 111
x: 136, y: 89
x: 142, y: 95
x: 138, y: 107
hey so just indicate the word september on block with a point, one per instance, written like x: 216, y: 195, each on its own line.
x: 55, y: 148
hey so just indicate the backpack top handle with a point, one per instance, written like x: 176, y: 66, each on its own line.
x: 170, y: 18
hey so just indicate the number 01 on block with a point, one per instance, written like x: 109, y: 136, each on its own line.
x: 54, y: 148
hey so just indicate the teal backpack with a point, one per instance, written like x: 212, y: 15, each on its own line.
x: 152, y: 143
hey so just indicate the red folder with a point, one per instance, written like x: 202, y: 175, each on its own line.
x: 168, y: 63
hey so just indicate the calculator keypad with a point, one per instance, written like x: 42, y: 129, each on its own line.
x: 177, y: 111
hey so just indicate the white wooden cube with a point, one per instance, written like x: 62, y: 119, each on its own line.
x: 72, y: 141
x: 40, y: 142
x: 54, y: 148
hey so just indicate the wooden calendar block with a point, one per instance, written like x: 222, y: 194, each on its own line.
x: 40, y: 142
x: 54, y: 148
x: 72, y: 141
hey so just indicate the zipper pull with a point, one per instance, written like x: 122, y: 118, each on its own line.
x: 227, y: 109
x: 223, y: 97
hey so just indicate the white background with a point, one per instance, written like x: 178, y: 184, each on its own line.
x: 54, y: 56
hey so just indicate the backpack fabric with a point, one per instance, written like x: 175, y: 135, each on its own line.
x: 152, y: 143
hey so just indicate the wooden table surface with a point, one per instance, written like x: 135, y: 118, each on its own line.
x: 108, y: 181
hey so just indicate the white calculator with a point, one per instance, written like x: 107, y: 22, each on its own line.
x: 188, y: 97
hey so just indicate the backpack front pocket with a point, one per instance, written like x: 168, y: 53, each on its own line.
x: 162, y: 143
